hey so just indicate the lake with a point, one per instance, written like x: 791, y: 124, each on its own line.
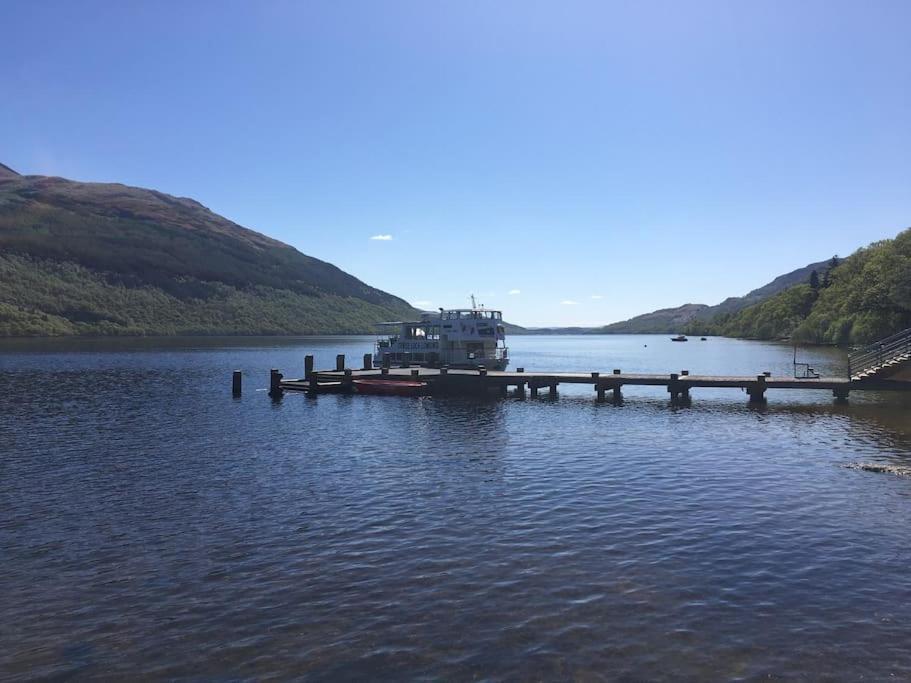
x: 153, y: 526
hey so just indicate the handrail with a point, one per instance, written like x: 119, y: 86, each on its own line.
x: 875, y: 356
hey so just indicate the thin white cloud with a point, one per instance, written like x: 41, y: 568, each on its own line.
x: 382, y: 238
x: 597, y: 296
x: 515, y: 291
x: 569, y: 302
x: 421, y: 304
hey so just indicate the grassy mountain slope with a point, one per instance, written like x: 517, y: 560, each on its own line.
x: 97, y: 258
x: 868, y: 298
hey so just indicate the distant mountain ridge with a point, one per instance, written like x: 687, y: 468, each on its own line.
x: 674, y: 320
x: 105, y: 258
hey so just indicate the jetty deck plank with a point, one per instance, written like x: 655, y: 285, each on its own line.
x: 607, y: 380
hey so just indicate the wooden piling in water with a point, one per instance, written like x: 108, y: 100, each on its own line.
x: 236, y: 381
x: 340, y: 362
x: 368, y: 361
x: 275, y: 383
x: 308, y: 367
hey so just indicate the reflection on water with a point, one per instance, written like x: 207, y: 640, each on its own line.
x: 153, y: 526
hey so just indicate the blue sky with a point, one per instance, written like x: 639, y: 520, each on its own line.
x: 569, y: 162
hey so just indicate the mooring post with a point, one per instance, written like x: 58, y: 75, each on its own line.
x: 553, y: 390
x: 368, y: 361
x: 314, y: 384
x: 387, y: 360
x: 308, y: 367
x: 520, y: 390
x: 275, y: 383
x: 236, y: 379
x: 841, y: 394
x: 347, y: 381
x: 340, y: 362
x: 533, y: 389
x: 616, y: 371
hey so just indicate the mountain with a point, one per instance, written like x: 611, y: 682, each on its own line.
x: 101, y: 258
x: 665, y: 320
x: 867, y: 296
x: 779, y: 284
x: 673, y: 320
x: 7, y: 172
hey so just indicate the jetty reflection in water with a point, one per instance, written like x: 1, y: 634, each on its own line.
x: 153, y: 526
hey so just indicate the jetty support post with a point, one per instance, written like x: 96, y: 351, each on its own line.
x: 599, y: 386
x: 553, y: 390
x: 442, y: 383
x: 347, y: 381
x: 275, y: 383
x: 756, y: 390
x: 313, y: 389
x: 308, y: 367
x: 673, y: 387
x: 236, y: 380
x: 520, y: 390
x: 484, y: 383
x: 387, y: 360
x: 340, y: 362
x: 841, y: 394
x: 368, y: 361
x: 533, y: 389
x: 616, y: 394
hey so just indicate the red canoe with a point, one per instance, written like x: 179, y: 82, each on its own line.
x: 390, y: 387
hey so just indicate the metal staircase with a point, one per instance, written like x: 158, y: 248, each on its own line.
x: 879, y: 358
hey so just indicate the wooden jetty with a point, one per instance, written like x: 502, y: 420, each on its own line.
x: 518, y: 383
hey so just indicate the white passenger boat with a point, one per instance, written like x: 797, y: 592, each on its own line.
x: 459, y: 338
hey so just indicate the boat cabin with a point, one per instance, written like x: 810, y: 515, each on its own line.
x: 461, y: 337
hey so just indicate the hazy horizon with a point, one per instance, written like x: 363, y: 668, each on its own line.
x: 571, y: 164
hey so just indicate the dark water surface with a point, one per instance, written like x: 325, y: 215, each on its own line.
x: 152, y: 526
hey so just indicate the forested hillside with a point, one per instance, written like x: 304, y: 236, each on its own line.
x: 93, y: 258
x: 865, y: 297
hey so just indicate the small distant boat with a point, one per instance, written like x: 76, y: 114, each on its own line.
x: 703, y: 339
x: 389, y: 387
x: 679, y: 337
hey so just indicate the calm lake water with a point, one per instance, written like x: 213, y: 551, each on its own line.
x: 153, y: 526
